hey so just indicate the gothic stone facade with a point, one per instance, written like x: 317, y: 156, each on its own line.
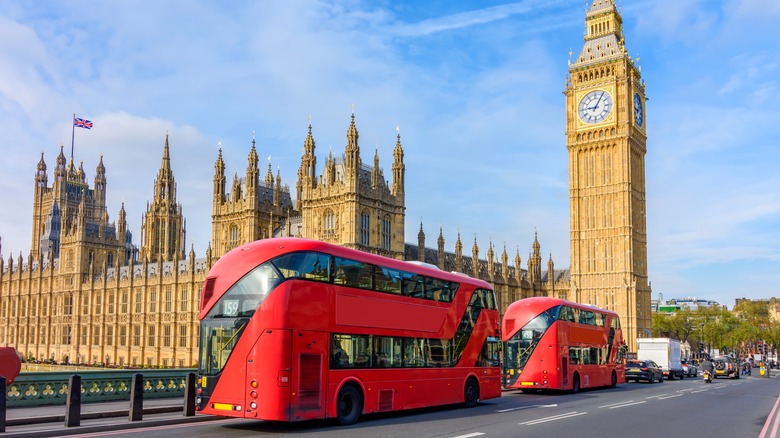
x: 102, y: 305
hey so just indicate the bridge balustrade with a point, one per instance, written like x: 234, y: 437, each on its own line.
x: 51, y: 388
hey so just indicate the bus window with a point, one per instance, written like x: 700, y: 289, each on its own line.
x: 308, y: 265
x: 350, y: 351
x: 575, y: 358
x: 476, y: 299
x: 413, y: 353
x: 566, y: 314
x: 483, y: 299
x: 490, y: 299
x: 491, y: 351
x: 339, y: 357
x: 587, y: 317
x: 353, y: 273
x: 438, y: 352
x: 447, y: 292
x: 575, y: 314
x: 387, y: 280
x: 433, y: 288
x: 387, y: 352
x: 362, y: 351
x: 412, y: 284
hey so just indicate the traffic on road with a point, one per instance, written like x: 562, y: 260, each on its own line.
x: 636, y: 409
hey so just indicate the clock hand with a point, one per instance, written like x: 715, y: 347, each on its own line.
x: 598, y: 101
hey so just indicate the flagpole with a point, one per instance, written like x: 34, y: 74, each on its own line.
x: 72, y: 134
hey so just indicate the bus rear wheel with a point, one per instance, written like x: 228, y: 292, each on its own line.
x: 471, y: 393
x: 614, y: 379
x: 349, y: 405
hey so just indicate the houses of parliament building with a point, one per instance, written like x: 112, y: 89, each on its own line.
x: 86, y: 293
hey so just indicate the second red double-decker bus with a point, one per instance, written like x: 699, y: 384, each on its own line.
x: 550, y: 343
x: 293, y: 329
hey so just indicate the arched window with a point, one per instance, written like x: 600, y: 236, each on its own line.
x: 386, y: 232
x: 233, y: 237
x: 329, y: 224
x: 365, y: 226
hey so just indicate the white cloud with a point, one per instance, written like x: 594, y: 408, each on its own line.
x: 464, y: 19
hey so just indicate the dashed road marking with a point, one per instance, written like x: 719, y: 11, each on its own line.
x: 527, y: 407
x: 553, y: 418
x: 628, y: 404
x: 615, y: 404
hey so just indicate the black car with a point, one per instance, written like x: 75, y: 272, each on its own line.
x: 637, y: 370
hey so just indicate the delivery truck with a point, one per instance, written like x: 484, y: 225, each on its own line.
x: 663, y: 351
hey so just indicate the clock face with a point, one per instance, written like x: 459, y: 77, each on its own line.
x: 595, y: 106
x: 639, y: 112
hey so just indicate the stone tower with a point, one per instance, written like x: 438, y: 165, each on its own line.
x: 163, y: 228
x: 251, y: 210
x: 606, y: 139
x: 70, y: 220
x: 351, y: 204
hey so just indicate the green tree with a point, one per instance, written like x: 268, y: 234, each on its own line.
x: 679, y: 325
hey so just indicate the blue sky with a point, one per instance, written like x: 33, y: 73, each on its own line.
x: 476, y: 88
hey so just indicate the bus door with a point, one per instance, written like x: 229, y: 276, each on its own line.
x: 309, y: 368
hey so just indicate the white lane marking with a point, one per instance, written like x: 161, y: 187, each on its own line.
x: 527, y: 407
x: 469, y: 435
x: 657, y: 396
x: 671, y: 396
x: 553, y: 418
x: 628, y: 404
x: 686, y: 389
x: 615, y: 404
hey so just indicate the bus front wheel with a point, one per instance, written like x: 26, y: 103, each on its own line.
x: 349, y: 405
x: 471, y: 393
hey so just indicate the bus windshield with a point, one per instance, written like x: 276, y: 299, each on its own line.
x: 222, y: 326
x: 520, y: 346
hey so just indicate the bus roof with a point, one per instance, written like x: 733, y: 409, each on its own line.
x: 535, y: 305
x: 237, y: 262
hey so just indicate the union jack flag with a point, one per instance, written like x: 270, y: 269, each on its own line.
x: 82, y: 123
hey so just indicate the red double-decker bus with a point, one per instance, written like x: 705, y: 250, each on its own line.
x: 556, y: 344
x: 293, y: 329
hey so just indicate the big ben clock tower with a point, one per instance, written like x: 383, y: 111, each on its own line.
x: 606, y: 139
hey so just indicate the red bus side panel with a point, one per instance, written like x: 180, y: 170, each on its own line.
x: 376, y: 312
